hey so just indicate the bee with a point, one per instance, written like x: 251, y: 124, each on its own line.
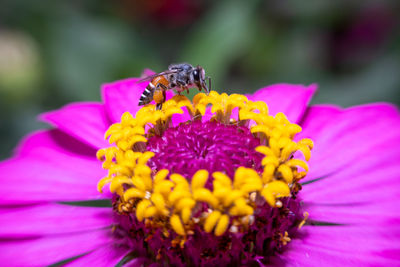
x: 180, y: 77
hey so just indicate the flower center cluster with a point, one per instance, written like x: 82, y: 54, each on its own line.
x: 210, y: 146
x: 225, y: 180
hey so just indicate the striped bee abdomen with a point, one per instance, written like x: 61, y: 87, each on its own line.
x: 159, y: 82
x: 147, y: 95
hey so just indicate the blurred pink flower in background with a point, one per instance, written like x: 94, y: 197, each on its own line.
x: 165, y: 13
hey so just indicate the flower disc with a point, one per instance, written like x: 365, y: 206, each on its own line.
x: 211, y: 146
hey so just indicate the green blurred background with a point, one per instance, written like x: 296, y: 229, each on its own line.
x: 54, y: 52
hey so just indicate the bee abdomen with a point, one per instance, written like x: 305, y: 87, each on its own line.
x: 147, y: 95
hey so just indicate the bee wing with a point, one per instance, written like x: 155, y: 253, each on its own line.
x: 148, y: 78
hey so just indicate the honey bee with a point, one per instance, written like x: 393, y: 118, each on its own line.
x: 179, y: 77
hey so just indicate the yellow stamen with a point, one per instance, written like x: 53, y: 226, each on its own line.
x: 141, y: 209
x: 222, y: 225
x: 285, y: 239
x: 177, y: 225
x: 102, y: 182
x: 199, y: 179
x: 204, y: 195
x: 305, y: 214
x: 134, y: 193
x: 275, y: 189
x: 211, y: 221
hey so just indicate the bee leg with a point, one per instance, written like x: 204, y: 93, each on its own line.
x: 165, y: 93
x: 163, y: 88
x: 159, y: 95
x: 183, y: 88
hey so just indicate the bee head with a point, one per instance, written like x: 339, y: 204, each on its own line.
x: 199, y: 76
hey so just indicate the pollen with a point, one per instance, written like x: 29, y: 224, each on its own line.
x: 219, y: 202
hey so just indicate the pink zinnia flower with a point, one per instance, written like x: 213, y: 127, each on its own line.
x: 344, y: 211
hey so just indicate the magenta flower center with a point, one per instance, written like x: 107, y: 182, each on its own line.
x: 212, y: 146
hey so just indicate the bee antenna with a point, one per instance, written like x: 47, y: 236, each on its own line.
x: 209, y: 84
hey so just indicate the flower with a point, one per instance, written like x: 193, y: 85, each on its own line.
x: 347, y: 210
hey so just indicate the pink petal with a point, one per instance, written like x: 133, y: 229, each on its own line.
x: 49, y: 250
x: 381, y: 213
x: 147, y: 73
x: 56, y: 140
x: 290, y: 99
x: 109, y: 255
x: 301, y: 254
x: 343, y: 246
x: 137, y: 262
x: 314, y: 256
x: 122, y: 96
x: 85, y: 121
x: 50, y: 167
x: 356, y: 156
x: 344, y: 137
x: 50, y: 219
x: 54, y: 177
x: 180, y: 118
x: 316, y: 118
x: 370, y: 179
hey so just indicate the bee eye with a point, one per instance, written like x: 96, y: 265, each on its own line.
x: 196, y: 75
